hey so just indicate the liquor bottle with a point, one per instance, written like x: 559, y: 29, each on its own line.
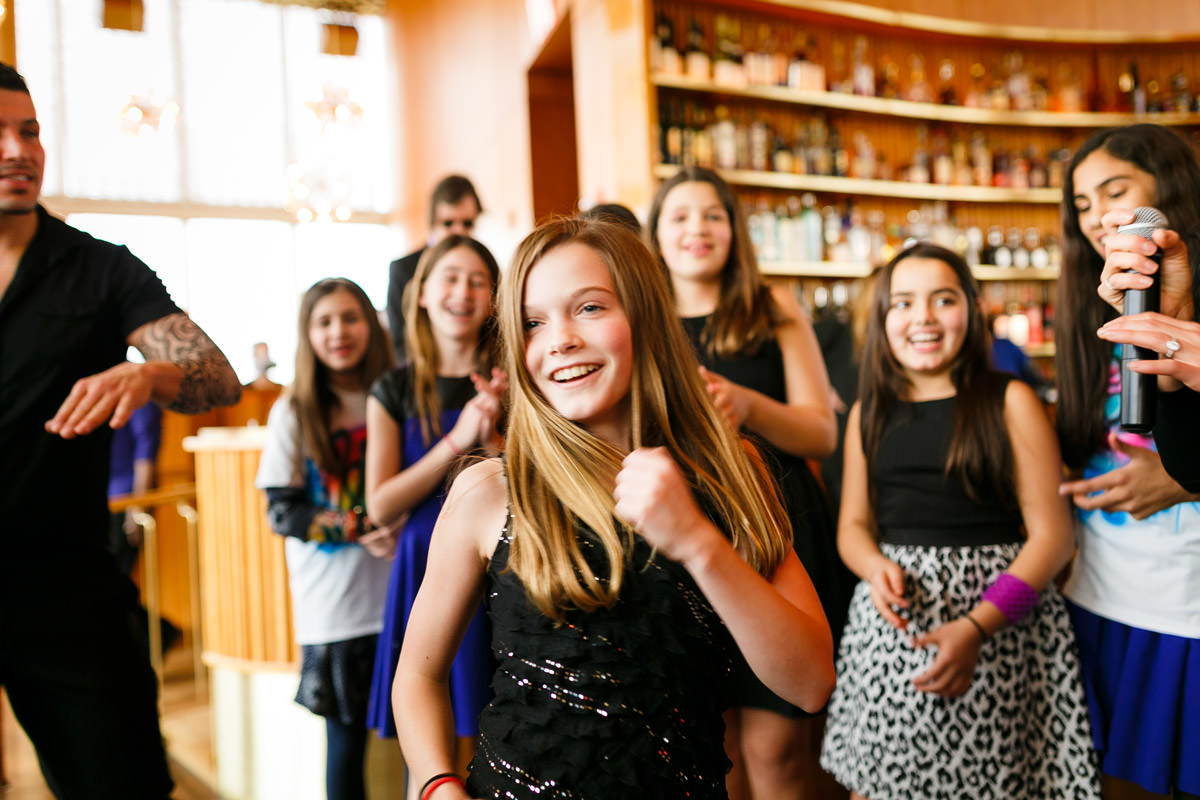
x: 1016, y: 244
x: 889, y: 81
x: 1039, y: 257
x: 781, y: 157
x: 818, y: 146
x: 697, y: 64
x: 863, y: 163
x: 918, y: 90
x: 994, y: 241
x: 804, y: 72
x: 862, y: 71
x: 839, y: 157
x: 760, y: 145
x: 975, y: 244
x: 670, y: 61
x: 1018, y: 83
x: 729, y: 65
x: 724, y: 139
x: 839, y: 78
x: 814, y: 242
x: 703, y: 141
x: 981, y: 160
x: 918, y: 171
x: 947, y: 94
x: 943, y: 163
x: 673, y: 143
x: 977, y: 94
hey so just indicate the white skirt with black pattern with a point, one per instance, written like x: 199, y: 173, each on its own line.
x: 1020, y: 732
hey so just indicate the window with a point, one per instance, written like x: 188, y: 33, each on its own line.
x: 205, y: 202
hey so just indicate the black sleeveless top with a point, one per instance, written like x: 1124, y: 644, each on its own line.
x: 814, y: 535
x: 619, y: 702
x: 917, y: 502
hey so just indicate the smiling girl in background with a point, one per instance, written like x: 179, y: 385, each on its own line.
x: 421, y: 419
x: 312, y: 473
x: 957, y: 674
x: 764, y: 371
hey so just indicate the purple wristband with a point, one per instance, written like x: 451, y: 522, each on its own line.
x: 1014, y: 597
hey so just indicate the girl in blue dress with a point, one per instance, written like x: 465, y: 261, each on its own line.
x: 421, y: 418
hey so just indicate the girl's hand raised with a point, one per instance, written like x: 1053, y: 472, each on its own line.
x: 887, y: 591
x: 655, y: 500
x: 476, y: 425
x: 953, y: 668
x: 729, y: 398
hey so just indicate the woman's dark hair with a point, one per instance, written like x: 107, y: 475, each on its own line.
x: 1082, y: 360
x: 746, y: 315
x: 613, y: 212
x: 980, y: 452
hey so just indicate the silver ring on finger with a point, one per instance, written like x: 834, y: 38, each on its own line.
x: 1172, y: 347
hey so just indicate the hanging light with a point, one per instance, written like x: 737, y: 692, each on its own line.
x: 333, y: 108
x: 146, y: 115
x: 122, y: 15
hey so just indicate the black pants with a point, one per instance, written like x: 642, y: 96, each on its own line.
x: 75, y: 666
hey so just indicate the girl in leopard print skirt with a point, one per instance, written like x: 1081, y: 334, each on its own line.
x: 958, y: 672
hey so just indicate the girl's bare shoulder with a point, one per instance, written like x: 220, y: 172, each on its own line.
x: 477, y: 503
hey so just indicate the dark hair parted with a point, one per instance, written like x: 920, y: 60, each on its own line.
x: 1082, y: 359
x: 746, y: 315
x: 418, y: 333
x: 12, y: 80
x: 311, y: 394
x: 614, y: 212
x: 451, y: 190
x: 980, y: 453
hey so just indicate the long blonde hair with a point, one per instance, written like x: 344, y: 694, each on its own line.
x: 559, y: 475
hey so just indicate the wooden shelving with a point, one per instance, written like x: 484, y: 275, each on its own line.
x: 875, y: 188
x: 922, y: 111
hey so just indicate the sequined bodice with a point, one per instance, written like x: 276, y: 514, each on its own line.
x: 619, y: 702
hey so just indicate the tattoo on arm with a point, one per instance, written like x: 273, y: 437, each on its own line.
x: 208, y: 380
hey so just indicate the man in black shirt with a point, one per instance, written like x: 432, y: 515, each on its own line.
x: 73, y: 659
x: 453, y: 208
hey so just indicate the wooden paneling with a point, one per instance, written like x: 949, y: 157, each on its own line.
x: 246, y: 610
x: 462, y: 107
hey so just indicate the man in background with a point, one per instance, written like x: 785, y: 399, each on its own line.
x: 453, y: 208
x: 73, y: 657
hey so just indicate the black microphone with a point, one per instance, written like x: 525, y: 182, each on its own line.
x: 1139, y: 392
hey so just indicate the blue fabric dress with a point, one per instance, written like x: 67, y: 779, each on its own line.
x: 472, y: 669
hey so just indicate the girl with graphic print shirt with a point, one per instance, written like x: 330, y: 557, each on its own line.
x: 957, y: 673
x: 312, y: 471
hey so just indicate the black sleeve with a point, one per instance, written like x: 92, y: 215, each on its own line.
x: 400, y: 272
x: 1177, y: 435
x: 289, y: 512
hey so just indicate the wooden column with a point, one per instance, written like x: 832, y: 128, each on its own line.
x: 246, y: 609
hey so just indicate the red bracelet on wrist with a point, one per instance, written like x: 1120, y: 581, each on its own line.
x: 436, y: 781
x: 453, y: 449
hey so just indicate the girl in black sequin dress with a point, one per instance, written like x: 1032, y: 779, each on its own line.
x: 627, y: 546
